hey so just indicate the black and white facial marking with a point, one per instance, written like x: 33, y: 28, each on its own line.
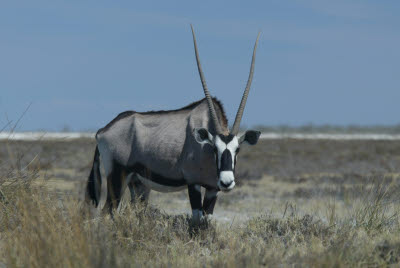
x: 226, y: 149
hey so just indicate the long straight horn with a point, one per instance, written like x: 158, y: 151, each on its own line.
x: 239, y: 114
x: 206, y: 92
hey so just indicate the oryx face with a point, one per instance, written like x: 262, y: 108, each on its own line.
x: 226, y: 149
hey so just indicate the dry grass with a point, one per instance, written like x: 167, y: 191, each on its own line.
x: 297, y: 217
x: 38, y: 229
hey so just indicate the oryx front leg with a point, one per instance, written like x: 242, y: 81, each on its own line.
x: 210, y: 198
x: 195, y: 202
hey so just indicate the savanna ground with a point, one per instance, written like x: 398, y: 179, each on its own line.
x: 298, y: 203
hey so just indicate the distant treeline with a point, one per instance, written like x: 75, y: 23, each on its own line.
x: 310, y: 128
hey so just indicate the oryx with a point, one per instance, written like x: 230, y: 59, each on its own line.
x: 170, y: 150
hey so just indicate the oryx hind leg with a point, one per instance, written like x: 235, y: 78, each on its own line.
x: 138, y: 190
x: 116, y: 185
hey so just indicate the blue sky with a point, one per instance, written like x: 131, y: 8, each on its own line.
x: 80, y: 63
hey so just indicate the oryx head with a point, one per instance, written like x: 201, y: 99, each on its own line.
x: 226, y: 146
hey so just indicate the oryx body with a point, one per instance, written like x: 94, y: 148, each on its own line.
x: 170, y: 150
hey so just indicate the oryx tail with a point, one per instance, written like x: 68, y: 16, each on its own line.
x: 93, y: 188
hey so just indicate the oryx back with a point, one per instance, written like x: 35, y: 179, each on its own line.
x: 159, y: 146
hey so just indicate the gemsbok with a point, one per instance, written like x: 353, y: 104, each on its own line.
x: 170, y: 150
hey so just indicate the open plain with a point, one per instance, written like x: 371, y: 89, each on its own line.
x: 298, y: 202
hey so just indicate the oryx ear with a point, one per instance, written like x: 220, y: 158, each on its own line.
x: 251, y: 137
x: 202, y: 136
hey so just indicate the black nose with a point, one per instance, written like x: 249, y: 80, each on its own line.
x: 226, y: 185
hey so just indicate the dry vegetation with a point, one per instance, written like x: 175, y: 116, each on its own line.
x: 299, y: 203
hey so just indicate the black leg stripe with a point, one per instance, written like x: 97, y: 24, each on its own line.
x: 195, y: 197
x: 210, y: 198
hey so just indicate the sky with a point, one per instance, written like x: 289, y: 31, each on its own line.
x: 77, y: 64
